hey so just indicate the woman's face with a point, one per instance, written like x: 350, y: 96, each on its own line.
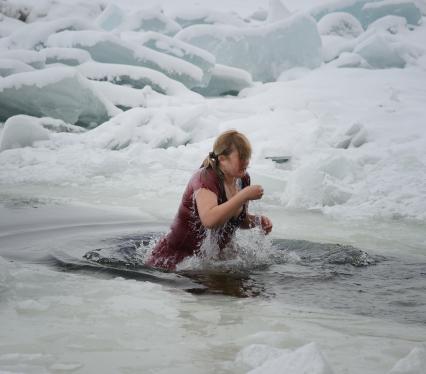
x: 232, y: 165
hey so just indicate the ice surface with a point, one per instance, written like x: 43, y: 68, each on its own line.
x: 133, y: 76
x: 277, y: 11
x: 340, y: 24
x: 413, y: 363
x: 22, y: 131
x: 177, y: 48
x: 264, y: 51
x: 226, y: 80
x: 9, y: 66
x: 105, y: 47
x: 367, y: 11
x: 66, y: 56
x: 55, y: 92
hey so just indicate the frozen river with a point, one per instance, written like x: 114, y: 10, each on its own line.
x: 350, y: 308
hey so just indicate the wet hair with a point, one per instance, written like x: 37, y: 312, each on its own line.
x: 225, y: 143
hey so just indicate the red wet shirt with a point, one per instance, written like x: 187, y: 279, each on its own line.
x: 187, y: 232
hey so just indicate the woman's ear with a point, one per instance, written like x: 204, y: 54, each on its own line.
x: 221, y: 158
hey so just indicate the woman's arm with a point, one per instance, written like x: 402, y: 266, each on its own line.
x: 213, y: 215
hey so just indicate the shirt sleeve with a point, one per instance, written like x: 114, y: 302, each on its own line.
x: 208, y: 179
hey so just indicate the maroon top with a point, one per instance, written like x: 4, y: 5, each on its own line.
x: 187, y: 232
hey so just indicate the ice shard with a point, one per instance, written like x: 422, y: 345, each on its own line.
x: 105, y: 47
x: 263, y: 51
x: 367, y: 11
x: 54, y: 92
x: 177, y: 48
x: 133, y: 76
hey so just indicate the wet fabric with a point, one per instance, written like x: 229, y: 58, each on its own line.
x: 187, y: 232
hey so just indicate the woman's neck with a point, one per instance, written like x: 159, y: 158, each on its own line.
x: 228, y: 179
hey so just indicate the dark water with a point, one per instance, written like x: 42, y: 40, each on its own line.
x: 328, y: 276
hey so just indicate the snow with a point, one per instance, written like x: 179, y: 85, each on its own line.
x: 306, y: 359
x: 264, y: 51
x: 413, y: 363
x: 9, y: 66
x: 34, y: 35
x: 66, y: 56
x: 22, y: 131
x: 199, y: 15
x: 32, y: 58
x: 226, y: 80
x: 277, y: 11
x: 340, y: 24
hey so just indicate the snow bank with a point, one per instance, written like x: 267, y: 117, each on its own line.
x: 306, y: 359
x: 155, y: 128
x: 177, y: 48
x: 134, y: 76
x: 56, y: 92
x: 226, y: 80
x: 22, y: 131
x: 105, y: 47
x: 264, y: 51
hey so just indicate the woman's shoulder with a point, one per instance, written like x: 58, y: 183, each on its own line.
x: 205, y: 178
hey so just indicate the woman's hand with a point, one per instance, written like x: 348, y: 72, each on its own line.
x: 254, y: 192
x: 266, y: 224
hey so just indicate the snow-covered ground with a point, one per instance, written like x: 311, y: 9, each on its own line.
x: 95, y: 117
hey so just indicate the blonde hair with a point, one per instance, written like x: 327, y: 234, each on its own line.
x: 225, y: 143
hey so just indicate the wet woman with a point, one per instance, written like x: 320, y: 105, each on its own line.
x: 215, y: 202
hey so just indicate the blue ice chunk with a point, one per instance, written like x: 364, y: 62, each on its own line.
x: 263, y: 51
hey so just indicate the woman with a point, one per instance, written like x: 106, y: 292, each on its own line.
x: 216, y: 199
